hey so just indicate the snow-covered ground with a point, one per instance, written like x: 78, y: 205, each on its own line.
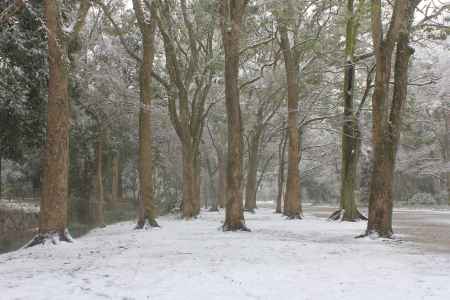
x: 279, y: 259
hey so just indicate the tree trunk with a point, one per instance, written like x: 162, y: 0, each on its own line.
x: 115, y: 175
x: 86, y: 183
x: 147, y: 214
x: 212, y: 194
x: 188, y: 182
x: 54, y: 210
x: 252, y: 172
x: 0, y: 177
x: 232, y: 14
x: 292, y: 197
x: 280, y: 178
x: 97, y: 203
x: 446, y: 111
x: 197, y: 180
x: 221, y: 180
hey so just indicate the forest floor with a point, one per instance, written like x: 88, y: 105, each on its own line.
x: 280, y: 259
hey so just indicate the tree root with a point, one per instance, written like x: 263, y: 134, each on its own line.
x: 373, y: 234
x: 250, y: 210
x: 296, y: 216
x: 52, y: 237
x: 147, y: 223
x: 235, y: 227
x: 338, y: 215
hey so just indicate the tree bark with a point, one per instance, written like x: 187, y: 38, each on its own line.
x: 147, y: 214
x: 232, y: 12
x: 292, y: 196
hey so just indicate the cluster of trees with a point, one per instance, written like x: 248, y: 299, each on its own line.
x: 239, y: 93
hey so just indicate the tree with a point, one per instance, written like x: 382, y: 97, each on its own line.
x: 351, y: 135
x: 232, y: 14
x: 387, y: 113
x: 190, y: 71
x: 147, y: 26
x: 292, y: 208
x: 53, y: 209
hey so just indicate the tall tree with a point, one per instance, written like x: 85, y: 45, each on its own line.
x: 54, y: 194
x: 147, y: 25
x: 292, y: 208
x: 348, y: 211
x: 387, y: 112
x: 190, y: 72
x: 232, y: 15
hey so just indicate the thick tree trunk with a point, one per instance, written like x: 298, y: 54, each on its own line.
x: 232, y: 14
x: 188, y: 209
x: 252, y: 172
x: 54, y: 210
x: 197, y: 181
x: 292, y: 197
x: 147, y: 213
x: 97, y: 203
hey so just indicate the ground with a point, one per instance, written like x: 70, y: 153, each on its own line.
x: 280, y: 259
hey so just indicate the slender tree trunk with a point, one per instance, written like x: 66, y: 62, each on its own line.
x: 292, y: 197
x: 147, y: 213
x: 280, y: 178
x: 115, y: 174
x: 252, y: 172
x: 232, y: 12
x: 98, y: 195
x: 221, y: 180
x: 446, y: 111
x: 212, y: 194
x: 84, y: 206
x: 0, y: 176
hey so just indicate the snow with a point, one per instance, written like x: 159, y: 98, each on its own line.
x: 280, y: 259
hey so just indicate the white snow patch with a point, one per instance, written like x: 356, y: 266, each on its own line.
x: 279, y: 259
